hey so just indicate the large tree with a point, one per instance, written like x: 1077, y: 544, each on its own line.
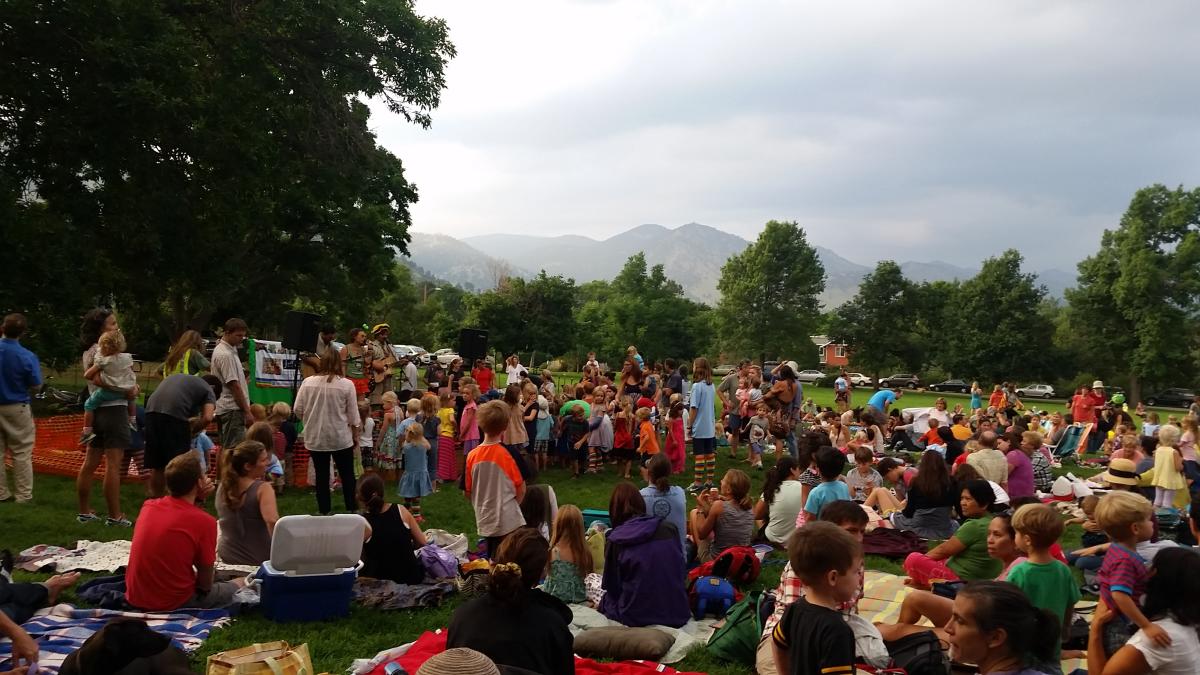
x: 526, y: 316
x: 999, y: 333
x: 769, y: 294
x: 1134, y: 308
x: 206, y: 155
x: 879, y: 322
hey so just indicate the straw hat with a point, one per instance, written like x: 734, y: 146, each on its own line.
x: 1121, y: 472
x: 459, y: 661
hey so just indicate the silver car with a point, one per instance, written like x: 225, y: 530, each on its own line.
x: 1036, y: 391
x: 813, y: 377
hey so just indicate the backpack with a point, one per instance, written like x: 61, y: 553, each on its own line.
x: 739, y: 564
x: 711, y: 595
x: 920, y: 654
x: 737, y: 639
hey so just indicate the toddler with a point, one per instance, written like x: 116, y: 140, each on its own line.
x: 541, y: 439
x: 1151, y: 426
x: 759, y: 427
x: 1127, y: 518
x: 112, y: 367
x: 366, y: 440
x: 414, y: 478
x: 570, y: 560
x: 830, y: 463
x: 647, y: 436
x: 674, y: 447
x: 575, y: 429
x: 388, y: 457
x: 864, y: 478
x: 430, y: 425
x: 1168, y: 467
x: 202, y: 445
x: 600, y: 438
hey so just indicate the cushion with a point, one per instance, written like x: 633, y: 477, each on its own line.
x: 623, y: 643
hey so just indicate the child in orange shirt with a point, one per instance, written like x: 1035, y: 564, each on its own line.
x: 647, y: 436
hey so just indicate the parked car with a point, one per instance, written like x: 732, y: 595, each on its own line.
x: 859, y: 380
x: 445, y: 356
x: 402, y: 351
x: 423, y: 357
x: 812, y: 377
x: 769, y: 366
x: 1036, y: 391
x: 900, y: 381
x: 959, y: 386
x: 1172, y: 398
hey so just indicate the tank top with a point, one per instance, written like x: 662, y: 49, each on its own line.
x: 735, y: 527
x: 389, y: 553
x: 244, y: 536
x: 355, y: 366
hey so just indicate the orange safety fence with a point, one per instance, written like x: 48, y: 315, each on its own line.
x: 56, y: 451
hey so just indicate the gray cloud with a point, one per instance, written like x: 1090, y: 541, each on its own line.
x: 906, y: 130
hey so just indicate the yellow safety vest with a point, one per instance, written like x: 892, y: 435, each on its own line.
x: 184, y: 365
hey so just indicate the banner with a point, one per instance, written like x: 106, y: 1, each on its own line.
x: 273, y: 365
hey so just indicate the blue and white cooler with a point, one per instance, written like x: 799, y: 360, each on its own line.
x: 314, y: 563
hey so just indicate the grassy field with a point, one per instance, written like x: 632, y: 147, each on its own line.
x: 50, y: 520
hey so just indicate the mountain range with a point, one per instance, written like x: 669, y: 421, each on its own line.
x: 691, y: 254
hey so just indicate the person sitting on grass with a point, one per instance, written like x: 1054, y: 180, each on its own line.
x: 864, y: 478
x: 725, y: 519
x: 928, y: 507
x: 174, y: 547
x: 963, y: 556
x: 830, y: 462
x: 514, y: 623
x: 246, y: 504
x: 994, y: 626
x: 1047, y: 582
x: 781, y: 501
x: 812, y: 636
x: 20, y: 600
x: 849, y: 517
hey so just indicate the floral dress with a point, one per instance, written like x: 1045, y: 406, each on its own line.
x: 387, y: 456
x: 564, y: 581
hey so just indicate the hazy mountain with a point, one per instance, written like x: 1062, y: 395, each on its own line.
x: 692, y: 254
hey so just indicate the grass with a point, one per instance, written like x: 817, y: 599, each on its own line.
x: 334, y: 644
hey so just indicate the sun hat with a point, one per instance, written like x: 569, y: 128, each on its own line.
x: 1097, y: 385
x: 793, y: 365
x: 1121, y: 471
x: 459, y: 661
x: 380, y: 326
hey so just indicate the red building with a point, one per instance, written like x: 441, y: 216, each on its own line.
x: 830, y: 354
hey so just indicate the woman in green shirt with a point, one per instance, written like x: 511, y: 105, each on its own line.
x: 963, y: 556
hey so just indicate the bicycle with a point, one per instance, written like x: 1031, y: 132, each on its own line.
x: 59, y: 397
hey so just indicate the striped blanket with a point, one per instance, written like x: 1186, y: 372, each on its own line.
x: 62, y: 629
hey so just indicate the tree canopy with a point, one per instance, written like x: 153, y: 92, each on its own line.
x: 879, y: 322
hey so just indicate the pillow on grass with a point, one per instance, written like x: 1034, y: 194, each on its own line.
x: 621, y: 643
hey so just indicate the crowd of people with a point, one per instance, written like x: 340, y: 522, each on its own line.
x: 997, y: 589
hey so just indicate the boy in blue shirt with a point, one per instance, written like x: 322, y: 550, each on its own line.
x: 830, y: 462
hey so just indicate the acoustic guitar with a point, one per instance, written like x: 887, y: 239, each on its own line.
x: 388, y: 364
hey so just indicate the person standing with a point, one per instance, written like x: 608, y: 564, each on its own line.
x: 727, y: 391
x: 169, y: 411
x: 704, y: 432
x: 186, y: 356
x: 19, y: 372
x: 111, y: 425
x: 328, y: 405
x: 233, y: 407
x: 409, y: 381
x: 514, y: 372
x: 381, y: 352
x: 841, y: 392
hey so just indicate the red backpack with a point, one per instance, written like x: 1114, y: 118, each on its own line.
x: 739, y: 564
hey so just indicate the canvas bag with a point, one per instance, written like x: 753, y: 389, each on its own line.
x: 267, y: 658
x: 737, y: 639
x: 438, y: 562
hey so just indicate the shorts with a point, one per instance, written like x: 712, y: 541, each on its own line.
x: 756, y: 447
x: 219, y: 596
x: 704, y: 446
x: 735, y: 423
x: 231, y: 428
x: 541, y: 447
x: 842, y: 397
x: 167, y: 437
x: 623, y: 454
x: 362, y: 385
x: 111, y: 426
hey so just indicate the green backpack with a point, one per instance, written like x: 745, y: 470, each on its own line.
x: 737, y: 639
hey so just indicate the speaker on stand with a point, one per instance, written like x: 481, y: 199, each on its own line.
x: 472, y: 344
x: 300, y: 330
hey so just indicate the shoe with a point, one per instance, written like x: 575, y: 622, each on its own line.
x: 118, y: 522
x: 86, y: 518
x: 133, y: 424
x: 87, y: 437
x: 708, y: 486
x: 694, y: 488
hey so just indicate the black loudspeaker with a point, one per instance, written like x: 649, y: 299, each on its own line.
x: 300, y: 331
x: 472, y: 344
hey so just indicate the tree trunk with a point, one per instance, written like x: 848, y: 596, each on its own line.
x: 1135, y: 389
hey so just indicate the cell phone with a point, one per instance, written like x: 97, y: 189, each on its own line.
x: 394, y: 669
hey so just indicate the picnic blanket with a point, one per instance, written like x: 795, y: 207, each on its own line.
x: 884, y: 593
x: 693, y: 634
x: 87, y: 556
x: 62, y: 629
x: 412, y: 655
x: 387, y: 594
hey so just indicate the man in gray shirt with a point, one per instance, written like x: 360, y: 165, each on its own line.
x: 169, y: 414
x: 410, y: 381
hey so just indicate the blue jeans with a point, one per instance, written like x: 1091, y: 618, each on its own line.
x: 1087, y: 563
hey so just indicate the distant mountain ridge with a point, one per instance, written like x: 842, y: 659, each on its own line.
x: 691, y: 254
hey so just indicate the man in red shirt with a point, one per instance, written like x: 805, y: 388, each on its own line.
x: 1083, y: 410
x: 484, y: 375
x: 175, y: 547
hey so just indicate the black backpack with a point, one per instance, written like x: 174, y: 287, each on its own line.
x: 920, y: 654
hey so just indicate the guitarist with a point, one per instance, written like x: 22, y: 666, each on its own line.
x: 382, y: 359
x: 310, y: 361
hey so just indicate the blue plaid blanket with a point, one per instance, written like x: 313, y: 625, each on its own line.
x: 62, y: 629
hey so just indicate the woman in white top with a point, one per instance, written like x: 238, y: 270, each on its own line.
x: 328, y: 406
x: 782, y: 499
x: 514, y: 370
x: 1172, y: 603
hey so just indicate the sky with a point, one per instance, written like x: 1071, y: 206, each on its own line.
x: 903, y: 130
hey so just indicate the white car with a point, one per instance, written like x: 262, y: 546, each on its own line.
x: 445, y: 356
x: 1036, y: 391
x: 859, y: 380
x: 813, y: 377
x: 406, y: 350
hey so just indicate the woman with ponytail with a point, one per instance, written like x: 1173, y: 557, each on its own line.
x: 997, y: 628
x: 246, y: 510
x: 782, y: 500
x: 395, y: 536
x: 514, y: 623
x: 664, y: 500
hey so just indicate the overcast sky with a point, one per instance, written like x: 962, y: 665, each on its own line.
x: 905, y: 130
